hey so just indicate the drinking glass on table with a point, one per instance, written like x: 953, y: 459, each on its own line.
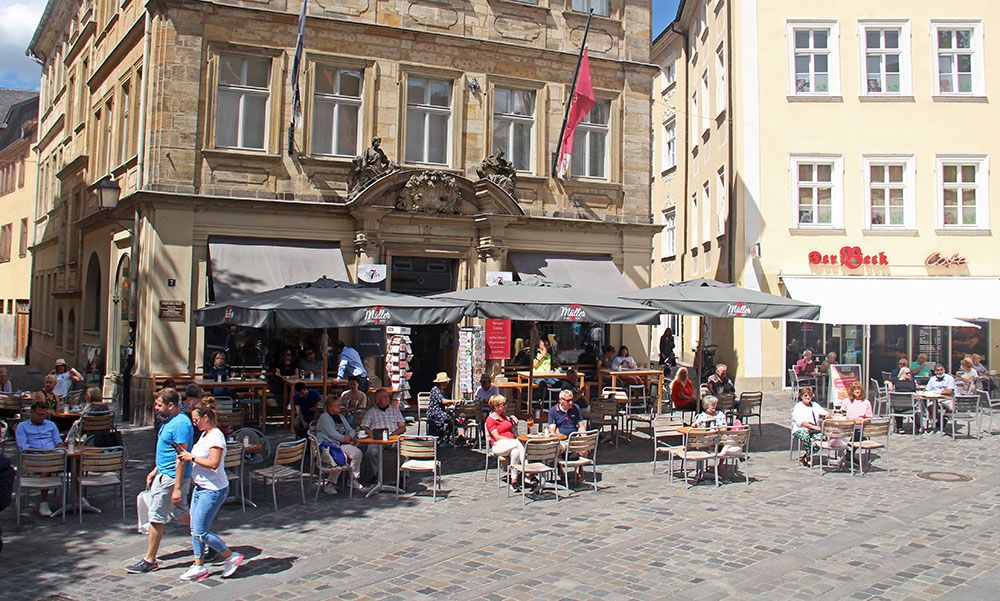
x: 531, y: 425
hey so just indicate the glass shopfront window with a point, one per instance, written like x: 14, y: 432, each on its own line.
x: 888, y: 344
x: 969, y: 341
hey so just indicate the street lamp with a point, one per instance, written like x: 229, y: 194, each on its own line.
x: 108, y: 192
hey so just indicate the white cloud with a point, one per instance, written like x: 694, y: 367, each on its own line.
x: 18, y: 19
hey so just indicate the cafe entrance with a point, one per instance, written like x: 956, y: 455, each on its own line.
x: 433, y: 346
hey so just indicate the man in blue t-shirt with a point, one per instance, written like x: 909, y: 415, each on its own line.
x: 305, y: 401
x: 167, y: 491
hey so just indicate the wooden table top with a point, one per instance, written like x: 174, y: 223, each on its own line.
x: 367, y: 440
x: 632, y: 372
x: 535, y: 437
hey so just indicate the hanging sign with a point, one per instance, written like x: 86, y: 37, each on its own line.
x: 499, y: 278
x: 498, y: 339
x: 850, y: 257
x: 371, y: 273
x: 842, y: 376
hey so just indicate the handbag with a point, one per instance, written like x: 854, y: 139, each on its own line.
x: 336, y: 453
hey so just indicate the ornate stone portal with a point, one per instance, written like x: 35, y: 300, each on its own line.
x: 369, y: 167
x: 433, y: 192
x: 499, y: 171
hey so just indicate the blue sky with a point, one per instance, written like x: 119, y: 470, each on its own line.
x: 663, y: 14
x: 18, y: 19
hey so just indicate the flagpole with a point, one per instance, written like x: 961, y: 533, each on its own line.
x: 572, y: 90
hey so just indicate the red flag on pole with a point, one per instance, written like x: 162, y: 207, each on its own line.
x: 583, y: 100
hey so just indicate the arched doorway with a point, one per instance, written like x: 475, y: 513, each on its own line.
x: 92, y: 295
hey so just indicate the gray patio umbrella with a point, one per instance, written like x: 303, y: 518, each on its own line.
x: 710, y: 298
x: 538, y: 299
x: 328, y: 303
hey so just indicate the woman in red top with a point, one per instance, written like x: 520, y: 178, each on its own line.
x: 502, y: 433
x: 682, y: 390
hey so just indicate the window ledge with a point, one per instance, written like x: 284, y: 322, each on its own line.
x: 885, y: 98
x: 128, y: 164
x: 323, y: 160
x: 587, y: 182
x: 962, y: 232
x: 816, y: 98
x: 668, y: 170
x: 671, y: 257
x: 669, y: 87
x: 431, y: 167
x: 960, y: 98
x: 237, y: 153
x: 528, y: 5
x: 531, y: 177
x: 874, y: 231
x: 817, y: 231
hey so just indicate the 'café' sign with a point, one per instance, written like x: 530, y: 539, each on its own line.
x: 850, y: 257
x: 936, y: 260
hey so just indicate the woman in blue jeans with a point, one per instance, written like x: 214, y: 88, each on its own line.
x: 211, y: 487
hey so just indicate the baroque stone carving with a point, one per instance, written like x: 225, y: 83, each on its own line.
x: 367, y: 243
x: 499, y: 171
x: 430, y: 192
x: 369, y: 167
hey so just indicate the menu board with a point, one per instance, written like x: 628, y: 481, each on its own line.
x: 397, y: 359
x: 842, y: 376
x: 498, y: 339
x: 930, y: 341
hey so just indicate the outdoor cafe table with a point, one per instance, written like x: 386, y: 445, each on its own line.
x: 250, y: 385
x: 933, y: 400
x: 381, y: 486
x: 645, y: 374
x: 73, y: 473
x: 524, y: 379
x: 290, y: 383
x: 537, y: 437
x: 64, y: 420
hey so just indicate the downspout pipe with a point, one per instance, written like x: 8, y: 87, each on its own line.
x: 731, y: 160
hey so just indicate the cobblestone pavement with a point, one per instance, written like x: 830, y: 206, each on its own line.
x: 792, y: 533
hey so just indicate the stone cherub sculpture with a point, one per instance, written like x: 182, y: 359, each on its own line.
x: 368, y: 167
x: 499, y: 170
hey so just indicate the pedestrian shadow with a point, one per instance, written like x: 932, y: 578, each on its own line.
x: 263, y: 566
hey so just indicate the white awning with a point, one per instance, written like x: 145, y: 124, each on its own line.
x: 898, y: 301
x: 593, y: 272
x: 247, y: 265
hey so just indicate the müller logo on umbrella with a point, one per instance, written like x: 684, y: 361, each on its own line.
x: 738, y: 310
x: 377, y: 314
x: 572, y: 313
x: 228, y: 315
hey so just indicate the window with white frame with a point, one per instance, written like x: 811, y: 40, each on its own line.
x: 669, y: 73
x: 669, y: 144
x: 964, y: 192
x: 886, y: 58
x: 817, y: 191
x: 241, y: 105
x: 668, y: 241
x: 694, y: 221
x: 601, y: 8
x: 720, y: 79
x: 336, y: 111
x: 513, y: 125
x: 706, y: 120
x: 959, y: 51
x: 590, y: 143
x: 706, y: 211
x: 428, y: 120
x: 814, y: 58
x: 890, y: 190
x: 123, y: 126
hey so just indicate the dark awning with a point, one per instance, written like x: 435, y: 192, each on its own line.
x: 591, y: 272
x: 241, y: 266
x: 709, y: 298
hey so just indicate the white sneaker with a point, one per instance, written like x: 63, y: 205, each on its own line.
x: 356, y: 485
x: 87, y: 506
x: 330, y: 489
x: 44, y: 510
x: 195, y: 573
x: 230, y: 565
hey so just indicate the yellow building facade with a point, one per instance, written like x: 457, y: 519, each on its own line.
x: 187, y: 108
x: 17, y: 205
x: 861, y: 146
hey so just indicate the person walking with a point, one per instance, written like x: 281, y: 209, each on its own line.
x: 211, y: 487
x: 169, y: 481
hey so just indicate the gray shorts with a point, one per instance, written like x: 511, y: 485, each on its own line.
x: 161, y: 509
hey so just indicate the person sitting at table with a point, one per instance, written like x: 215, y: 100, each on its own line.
x: 903, y: 362
x: 682, y: 390
x: 943, y: 384
x: 333, y: 428
x: 904, y: 381
x: 305, y: 401
x: 310, y: 364
x: 192, y: 396
x: 219, y: 372
x: 65, y: 376
x: 486, y: 391
x: 831, y: 359
x: 543, y: 363
x: 607, y: 358
x: 5, y: 386
x: 47, y: 393
x: 625, y: 362
x: 95, y: 403
x: 807, y: 423
x: 966, y: 377
x: 383, y: 417
x: 805, y: 366
x: 438, y: 419
x: 977, y: 364
x: 353, y: 398
x: 710, y: 417
x: 38, y: 433
x: 921, y: 368
x: 856, y: 406
x: 720, y: 383
x: 502, y: 430
x: 564, y: 416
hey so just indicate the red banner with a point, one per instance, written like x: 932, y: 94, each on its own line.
x: 498, y: 339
